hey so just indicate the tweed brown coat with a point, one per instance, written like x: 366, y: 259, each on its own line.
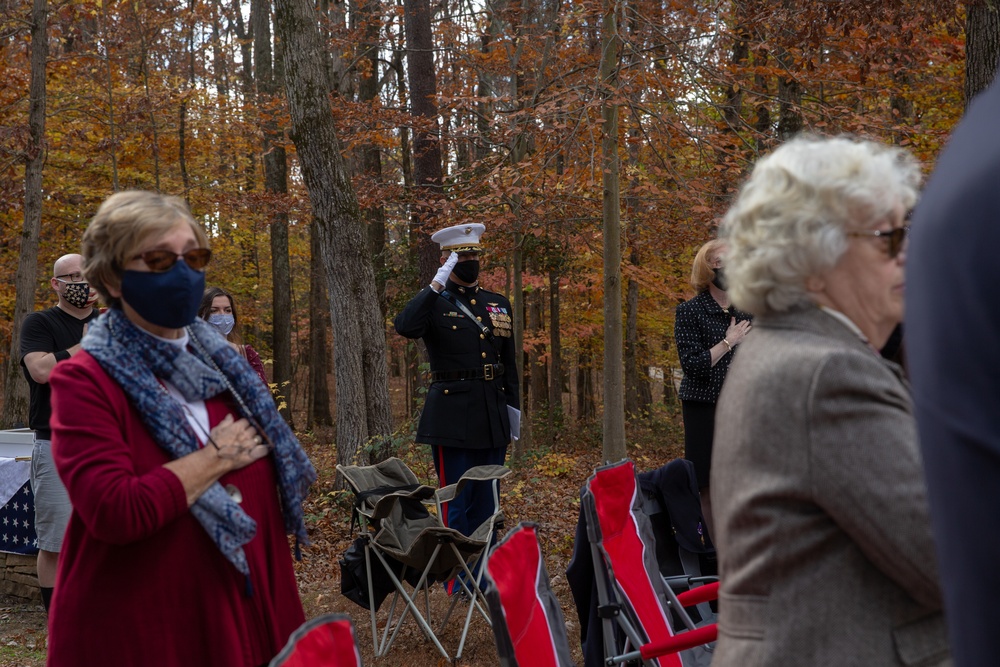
x: 823, y: 533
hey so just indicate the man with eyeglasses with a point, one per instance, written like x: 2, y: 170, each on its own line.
x: 48, y: 337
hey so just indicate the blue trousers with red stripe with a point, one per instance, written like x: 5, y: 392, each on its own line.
x: 475, y: 504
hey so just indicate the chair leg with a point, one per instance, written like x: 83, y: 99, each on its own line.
x: 423, y: 585
x: 477, y: 600
x: 371, y: 596
x: 411, y: 607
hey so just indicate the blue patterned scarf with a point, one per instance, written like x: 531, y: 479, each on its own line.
x: 135, y: 360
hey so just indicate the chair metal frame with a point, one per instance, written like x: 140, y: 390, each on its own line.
x: 455, y: 552
x: 639, y: 605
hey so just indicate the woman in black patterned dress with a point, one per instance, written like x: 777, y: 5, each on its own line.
x: 707, y: 330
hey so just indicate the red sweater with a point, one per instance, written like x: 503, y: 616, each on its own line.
x: 140, y: 582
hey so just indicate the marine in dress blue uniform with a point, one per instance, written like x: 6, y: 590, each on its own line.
x: 474, y: 381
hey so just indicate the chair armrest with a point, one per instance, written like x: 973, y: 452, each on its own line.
x: 682, y: 582
x: 476, y: 474
x: 680, y: 642
x: 705, y: 593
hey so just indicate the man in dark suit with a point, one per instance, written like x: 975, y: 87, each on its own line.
x: 472, y: 405
x: 953, y: 349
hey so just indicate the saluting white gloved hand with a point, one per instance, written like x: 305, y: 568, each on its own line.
x: 441, y: 277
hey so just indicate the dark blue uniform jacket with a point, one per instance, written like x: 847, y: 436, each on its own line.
x: 469, y: 413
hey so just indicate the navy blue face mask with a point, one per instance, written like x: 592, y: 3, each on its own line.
x: 167, y: 299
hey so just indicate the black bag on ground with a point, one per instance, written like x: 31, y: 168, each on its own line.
x: 354, y: 575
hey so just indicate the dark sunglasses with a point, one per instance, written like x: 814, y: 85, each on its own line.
x: 896, y: 238
x: 162, y: 260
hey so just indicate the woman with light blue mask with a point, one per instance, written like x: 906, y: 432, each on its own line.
x: 219, y: 310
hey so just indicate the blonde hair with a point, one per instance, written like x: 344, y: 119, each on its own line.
x: 701, y: 273
x: 123, y: 223
x: 791, y: 218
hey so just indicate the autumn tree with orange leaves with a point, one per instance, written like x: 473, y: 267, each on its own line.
x: 165, y: 96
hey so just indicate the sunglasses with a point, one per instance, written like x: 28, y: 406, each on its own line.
x: 159, y: 261
x: 896, y: 238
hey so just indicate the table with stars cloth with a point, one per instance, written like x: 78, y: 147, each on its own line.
x: 17, y: 514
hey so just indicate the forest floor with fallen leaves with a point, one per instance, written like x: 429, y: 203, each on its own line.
x: 544, y: 488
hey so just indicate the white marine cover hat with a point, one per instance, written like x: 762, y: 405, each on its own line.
x: 460, y: 238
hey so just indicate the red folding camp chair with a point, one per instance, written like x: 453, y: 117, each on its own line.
x: 325, y: 641
x: 527, y: 622
x: 630, y: 589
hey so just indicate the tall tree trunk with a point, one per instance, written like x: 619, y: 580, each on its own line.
x: 339, y: 67
x: 15, y: 391
x: 901, y: 105
x: 638, y: 395
x: 246, y: 81
x: 182, y: 125
x: 427, y: 172
x: 405, y: 152
x: 789, y: 88
x: 613, y: 448
x: 364, y: 418
x: 318, y: 411
x: 732, y: 103
x: 524, y: 443
x: 555, y: 356
x: 111, y: 103
x: 518, y: 150
x: 425, y: 154
x: 762, y: 109
x: 220, y: 68
x: 413, y: 348
x: 150, y: 108
x: 369, y: 14
x: 539, y: 395
x: 982, y: 46
x: 586, y: 405
x: 485, y: 87
x: 637, y: 391
x: 276, y: 186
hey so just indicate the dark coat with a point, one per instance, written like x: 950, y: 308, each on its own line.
x: 469, y: 413
x: 953, y: 359
x: 699, y: 326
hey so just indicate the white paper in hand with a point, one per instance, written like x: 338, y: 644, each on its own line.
x: 515, y: 422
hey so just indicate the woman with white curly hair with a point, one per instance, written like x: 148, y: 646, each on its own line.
x: 822, y: 526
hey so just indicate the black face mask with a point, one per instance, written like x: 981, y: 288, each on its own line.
x: 720, y: 279
x: 467, y: 271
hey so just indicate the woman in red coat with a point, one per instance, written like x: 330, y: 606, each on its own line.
x: 184, y: 479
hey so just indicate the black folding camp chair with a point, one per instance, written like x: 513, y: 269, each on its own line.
x: 401, y: 525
